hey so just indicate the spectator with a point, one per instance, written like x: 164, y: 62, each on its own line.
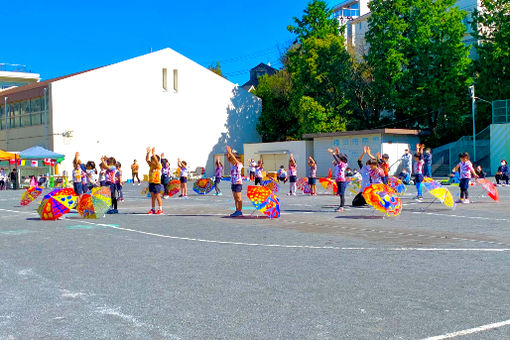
x: 405, y: 176
x: 503, y: 173
x: 480, y: 172
x: 3, y: 179
x: 407, y: 162
x: 13, y: 178
x: 427, y: 166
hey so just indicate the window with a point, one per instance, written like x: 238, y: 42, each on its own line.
x: 345, y: 141
x: 176, y: 80
x: 165, y: 80
x: 364, y: 140
x: 355, y: 141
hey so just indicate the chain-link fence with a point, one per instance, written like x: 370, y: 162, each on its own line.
x: 447, y: 156
x: 501, y: 111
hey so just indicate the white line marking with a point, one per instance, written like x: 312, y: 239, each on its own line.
x: 470, y: 217
x: 493, y: 250
x: 471, y: 331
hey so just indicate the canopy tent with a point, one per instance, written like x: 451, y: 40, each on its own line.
x: 5, y: 156
x: 38, y: 152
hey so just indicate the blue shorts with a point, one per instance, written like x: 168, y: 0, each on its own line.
x: 237, y: 187
x: 184, y: 179
x: 155, y: 188
x: 385, y: 179
x: 312, y: 180
x: 293, y: 179
x: 341, y: 186
x: 78, y: 188
x: 418, y: 178
x: 464, y: 183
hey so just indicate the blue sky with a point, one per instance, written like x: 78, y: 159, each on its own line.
x: 55, y: 38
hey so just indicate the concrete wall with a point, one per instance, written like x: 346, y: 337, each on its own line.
x: 121, y: 109
x: 300, y: 149
x: 19, y: 139
x: 499, y: 145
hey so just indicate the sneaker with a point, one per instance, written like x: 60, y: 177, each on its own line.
x: 166, y: 197
x: 289, y: 194
x: 110, y: 211
x: 418, y: 197
x: 159, y: 212
x: 151, y: 212
x: 466, y: 201
x: 340, y: 210
x: 115, y: 211
x: 237, y: 214
x: 181, y: 195
x: 460, y: 201
x: 220, y: 194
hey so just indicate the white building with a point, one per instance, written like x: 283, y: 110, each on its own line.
x: 161, y: 99
x: 385, y: 141
x: 12, y: 75
x: 277, y: 154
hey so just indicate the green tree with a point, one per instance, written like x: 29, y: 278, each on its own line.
x: 420, y: 64
x: 319, y: 66
x: 277, y: 120
x: 491, y: 27
x: 216, y: 69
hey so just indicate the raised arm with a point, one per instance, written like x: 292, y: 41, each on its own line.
x: 231, y: 157
x: 148, y: 156
x: 369, y: 153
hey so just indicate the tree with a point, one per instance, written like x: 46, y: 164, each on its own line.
x: 319, y: 67
x: 491, y: 27
x: 216, y: 69
x: 277, y: 120
x: 420, y: 64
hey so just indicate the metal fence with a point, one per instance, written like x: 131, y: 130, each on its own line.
x: 501, y: 111
x: 447, y: 156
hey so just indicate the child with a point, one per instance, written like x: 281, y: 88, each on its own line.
x: 110, y: 166
x: 118, y: 182
x: 259, y: 169
x: 427, y: 162
x: 385, y: 165
x: 237, y: 182
x: 154, y: 162
x: 282, y: 174
x: 480, y: 172
x: 218, y: 174
x: 184, y: 177
x: 102, y: 175
x: 165, y: 177
x: 312, y: 176
x: 292, y: 175
x: 134, y: 172
x: 465, y: 169
x: 77, y: 177
x: 502, y: 173
x: 418, y: 171
x: 364, y: 171
x: 405, y: 177
x: 341, y: 183
x: 3, y: 179
x: 91, y: 174
x: 253, y: 167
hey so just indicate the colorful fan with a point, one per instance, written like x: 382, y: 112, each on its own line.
x: 397, y: 185
x: 95, y: 204
x: 302, y: 184
x: 271, y: 184
x: 488, y: 186
x: 174, y: 187
x: 264, y: 201
x: 328, y: 184
x: 57, y: 203
x: 30, y: 195
x: 355, y: 184
x: 439, y: 192
x: 203, y: 186
x: 145, y: 191
x: 383, y: 198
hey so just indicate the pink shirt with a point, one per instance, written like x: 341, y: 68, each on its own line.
x: 235, y: 174
x: 465, y: 169
x: 313, y: 171
x: 375, y: 175
x: 340, y: 171
x: 418, y: 166
x: 292, y: 170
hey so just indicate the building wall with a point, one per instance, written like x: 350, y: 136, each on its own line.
x: 300, y: 149
x: 121, y: 109
x: 23, y: 138
x: 499, y: 145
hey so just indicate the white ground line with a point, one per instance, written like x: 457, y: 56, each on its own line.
x: 458, y: 216
x: 471, y: 330
x: 492, y: 250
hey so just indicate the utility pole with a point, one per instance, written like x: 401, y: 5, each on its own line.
x: 5, y: 114
x: 473, y: 108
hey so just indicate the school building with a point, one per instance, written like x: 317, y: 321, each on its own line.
x: 160, y: 99
x: 390, y: 141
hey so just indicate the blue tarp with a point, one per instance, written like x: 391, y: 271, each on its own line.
x: 38, y: 152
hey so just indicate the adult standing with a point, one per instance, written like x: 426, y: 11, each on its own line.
x: 407, y: 161
x: 3, y: 179
x: 134, y: 171
x: 427, y: 166
x: 13, y: 178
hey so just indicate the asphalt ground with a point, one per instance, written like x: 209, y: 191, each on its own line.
x: 313, y: 273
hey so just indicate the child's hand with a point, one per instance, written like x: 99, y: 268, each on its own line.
x: 337, y: 151
x: 330, y: 150
x: 368, y: 149
x: 148, y: 149
x: 77, y: 155
x: 378, y: 155
x: 153, y: 151
x: 229, y: 149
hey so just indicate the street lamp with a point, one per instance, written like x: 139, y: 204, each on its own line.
x: 5, y: 113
